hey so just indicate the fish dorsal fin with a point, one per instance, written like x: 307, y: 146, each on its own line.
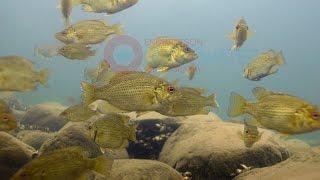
x: 260, y: 92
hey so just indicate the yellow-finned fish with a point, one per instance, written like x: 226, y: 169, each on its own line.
x: 78, y: 113
x: 76, y: 51
x: 88, y: 32
x: 191, y: 102
x: 140, y: 92
x: 106, y: 6
x: 250, y: 135
x: 113, y: 131
x: 166, y: 53
x: 284, y: 113
x: 8, y: 121
x: 263, y: 65
x: 240, y: 34
x: 19, y: 74
x: 68, y: 163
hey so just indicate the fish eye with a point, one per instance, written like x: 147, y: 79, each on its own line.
x: 171, y: 89
x: 237, y: 27
x: 187, y: 49
x: 5, y: 118
x: 247, y: 132
x: 315, y: 115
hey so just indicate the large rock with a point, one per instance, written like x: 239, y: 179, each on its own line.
x: 44, y: 117
x: 152, y: 131
x: 34, y: 138
x: 133, y: 169
x: 213, y: 149
x: 73, y: 134
x: 13, y: 155
x: 302, y: 165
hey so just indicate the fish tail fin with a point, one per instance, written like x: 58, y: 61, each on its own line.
x: 103, y: 165
x: 237, y: 105
x: 212, y: 101
x: 88, y: 93
x: 280, y: 58
x: 43, y: 77
x: 117, y: 29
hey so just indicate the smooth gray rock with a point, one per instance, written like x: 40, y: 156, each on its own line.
x: 44, y: 116
x: 302, y: 165
x: 214, y: 150
x: 13, y: 155
x: 133, y: 169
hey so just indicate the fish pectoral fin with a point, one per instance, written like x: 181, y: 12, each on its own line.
x: 231, y: 36
x: 105, y: 107
x: 87, y: 8
x: 250, y: 34
x: 274, y: 69
x: 163, y: 69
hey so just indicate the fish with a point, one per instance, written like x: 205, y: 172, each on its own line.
x: 67, y: 163
x: 47, y: 50
x: 78, y: 113
x: 191, y: 102
x: 138, y: 92
x: 263, y: 65
x: 240, y: 34
x: 166, y: 53
x: 250, y: 135
x: 8, y: 121
x: 76, y: 51
x: 113, y: 131
x: 88, y: 32
x: 93, y: 74
x: 19, y: 74
x: 277, y: 111
x: 107, y: 6
x: 191, y: 71
x: 66, y: 9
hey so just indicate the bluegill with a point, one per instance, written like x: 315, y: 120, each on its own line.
x: 68, y: 163
x: 281, y: 112
x: 240, y: 34
x: 250, y: 135
x: 166, y: 53
x: 191, y: 102
x: 139, y: 92
x: 263, y: 65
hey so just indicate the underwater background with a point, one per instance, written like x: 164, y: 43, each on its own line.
x: 288, y: 25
